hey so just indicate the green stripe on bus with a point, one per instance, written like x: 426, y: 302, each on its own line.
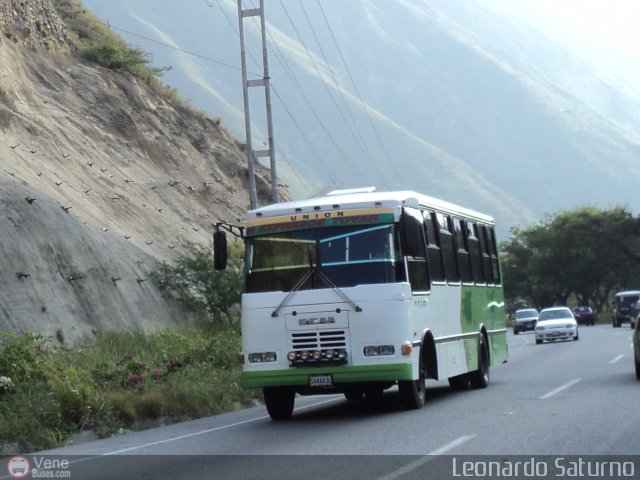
x: 341, y: 374
x: 484, y: 305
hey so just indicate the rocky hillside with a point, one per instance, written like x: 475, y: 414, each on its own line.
x: 100, y: 178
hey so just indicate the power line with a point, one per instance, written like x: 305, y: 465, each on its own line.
x: 318, y: 157
x: 294, y: 81
x: 305, y: 97
x: 280, y: 154
x: 209, y: 59
x: 357, y: 133
x: 281, y: 59
x: 355, y: 86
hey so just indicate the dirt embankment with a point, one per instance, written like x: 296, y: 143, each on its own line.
x: 100, y: 178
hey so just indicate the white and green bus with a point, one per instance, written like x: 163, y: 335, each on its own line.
x: 357, y: 291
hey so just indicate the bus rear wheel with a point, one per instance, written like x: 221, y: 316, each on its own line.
x: 459, y: 382
x: 279, y: 402
x: 414, y: 392
x: 480, y: 378
x: 353, y: 394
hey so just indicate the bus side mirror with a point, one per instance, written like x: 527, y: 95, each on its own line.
x: 219, y: 250
x: 411, y: 235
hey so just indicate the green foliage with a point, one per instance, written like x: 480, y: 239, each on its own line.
x: 120, y: 382
x: 211, y: 294
x: 96, y: 42
x: 119, y: 56
x: 585, y: 253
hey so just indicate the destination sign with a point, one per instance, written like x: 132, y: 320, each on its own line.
x: 334, y: 218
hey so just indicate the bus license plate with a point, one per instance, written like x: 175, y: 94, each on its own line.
x: 320, y: 381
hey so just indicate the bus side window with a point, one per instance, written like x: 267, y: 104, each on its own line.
x: 448, y: 248
x: 434, y: 253
x: 417, y: 265
x: 475, y: 252
x: 486, y: 256
x: 462, y: 252
x: 493, y: 252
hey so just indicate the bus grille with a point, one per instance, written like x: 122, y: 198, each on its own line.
x: 319, y: 340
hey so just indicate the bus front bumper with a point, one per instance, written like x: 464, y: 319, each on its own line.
x: 300, y: 376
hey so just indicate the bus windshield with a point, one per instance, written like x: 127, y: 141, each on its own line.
x: 346, y: 256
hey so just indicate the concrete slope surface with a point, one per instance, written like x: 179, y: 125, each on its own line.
x: 100, y: 178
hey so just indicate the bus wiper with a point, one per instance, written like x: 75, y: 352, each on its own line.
x: 297, y: 285
x: 294, y: 289
x: 306, y: 277
x: 339, y: 292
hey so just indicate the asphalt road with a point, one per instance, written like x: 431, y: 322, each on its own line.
x: 557, y: 399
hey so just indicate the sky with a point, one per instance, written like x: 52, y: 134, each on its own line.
x: 604, y: 32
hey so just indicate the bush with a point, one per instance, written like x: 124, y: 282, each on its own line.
x: 120, y: 382
x: 211, y: 294
x: 97, y: 43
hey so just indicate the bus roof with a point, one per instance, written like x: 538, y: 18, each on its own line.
x: 364, y: 198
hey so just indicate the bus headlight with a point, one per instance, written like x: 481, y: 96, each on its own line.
x: 371, y: 351
x: 379, y: 350
x: 387, y: 350
x: 262, y: 357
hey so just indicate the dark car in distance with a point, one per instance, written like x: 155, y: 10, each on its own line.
x: 524, y: 319
x: 585, y: 316
x: 624, y: 307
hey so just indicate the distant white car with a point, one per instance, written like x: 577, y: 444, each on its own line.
x: 556, y: 323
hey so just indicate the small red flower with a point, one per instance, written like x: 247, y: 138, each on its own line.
x: 157, y: 374
x: 133, y: 379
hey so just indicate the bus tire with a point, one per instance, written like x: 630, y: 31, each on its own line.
x: 353, y: 394
x: 480, y: 378
x: 279, y: 402
x: 414, y: 392
x: 373, y: 393
x: 637, y: 368
x: 459, y: 382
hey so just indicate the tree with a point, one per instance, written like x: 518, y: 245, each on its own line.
x: 211, y: 294
x: 586, y: 252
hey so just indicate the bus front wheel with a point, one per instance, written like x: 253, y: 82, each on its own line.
x: 353, y: 394
x: 279, y: 402
x: 414, y: 392
x: 480, y: 378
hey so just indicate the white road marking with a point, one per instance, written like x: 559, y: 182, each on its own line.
x: 560, y: 389
x: 410, y: 467
x: 180, y: 437
x: 616, y: 359
x: 209, y: 430
x: 452, y: 445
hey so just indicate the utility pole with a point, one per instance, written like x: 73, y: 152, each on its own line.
x: 261, y: 82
